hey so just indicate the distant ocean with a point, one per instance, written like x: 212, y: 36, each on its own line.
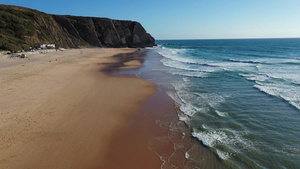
x: 241, y: 98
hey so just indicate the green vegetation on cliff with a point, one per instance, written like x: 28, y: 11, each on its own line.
x: 21, y: 28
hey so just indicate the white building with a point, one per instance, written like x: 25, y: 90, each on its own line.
x: 47, y: 46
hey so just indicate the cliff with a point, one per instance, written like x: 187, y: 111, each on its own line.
x: 21, y: 28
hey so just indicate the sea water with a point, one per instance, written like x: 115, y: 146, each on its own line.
x: 241, y: 98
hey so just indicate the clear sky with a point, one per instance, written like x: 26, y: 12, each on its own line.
x: 188, y: 19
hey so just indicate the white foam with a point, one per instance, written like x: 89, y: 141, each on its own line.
x: 186, y: 79
x: 185, y: 107
x: 186, y: 155
x: 188, y: 109
x: 183, y: 66
x: 213, y: 138
x: 204, y: 126
x: 176, y: 58
x: 295, y: 104
x: 210, y: 69
x: 233, y: 65
x: 178, y: 85
x: 184, y: 118
x: 177, y: 55
x: 284, y: 72
x: 296, y: 61
x: 178, y: 65
x: 191, y: 103
x: 287, y: 92
x: 222, y: 114
x: 190, y: 74
x: 212, y: 99
x: 293, y: 77
x: 255, y: 77
x: 174, y: 97
x: 224, y: 155
x: 277, y: 60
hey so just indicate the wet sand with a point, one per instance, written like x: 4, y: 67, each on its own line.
x: 156, y: 128
x: 58, y: 110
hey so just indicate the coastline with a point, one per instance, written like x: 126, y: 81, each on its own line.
x: 59, y: 111
x: 157, y: 127
x: 119, y: 116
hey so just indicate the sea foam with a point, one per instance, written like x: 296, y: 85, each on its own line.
x: 209, y: 80
x: 177, y: 55
x: 232, y: 139
x: 222, y: 114
x: 287, y: 92
x: 255, y: 77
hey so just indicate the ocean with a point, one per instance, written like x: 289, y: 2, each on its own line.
x: 240, y: 98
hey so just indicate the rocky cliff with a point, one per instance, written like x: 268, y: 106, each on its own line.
x: 21, y: 28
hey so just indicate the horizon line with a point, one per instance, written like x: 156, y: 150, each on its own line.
x: 232, y: 38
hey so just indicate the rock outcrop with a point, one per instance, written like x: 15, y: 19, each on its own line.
x: 21, y: 28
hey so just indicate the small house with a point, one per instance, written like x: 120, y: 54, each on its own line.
x: 49, y: 46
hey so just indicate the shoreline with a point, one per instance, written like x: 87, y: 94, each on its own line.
x: 188, y: 151
x: 63, y: 114
x: 119, y: 116
x: 158, y: 127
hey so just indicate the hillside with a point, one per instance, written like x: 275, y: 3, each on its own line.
x: 22, y: 28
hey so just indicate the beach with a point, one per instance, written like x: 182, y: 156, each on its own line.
x: 94, y: 108
x: 102, y: 85
x: 156, y: 126
x: 59, y: 110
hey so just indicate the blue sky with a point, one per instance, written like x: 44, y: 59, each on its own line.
x: 189, y: 19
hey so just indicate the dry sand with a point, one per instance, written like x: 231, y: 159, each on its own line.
x: 64, y: 113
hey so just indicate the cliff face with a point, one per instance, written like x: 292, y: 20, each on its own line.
x: 21, y: 28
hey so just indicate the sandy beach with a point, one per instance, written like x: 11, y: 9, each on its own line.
x: 59, y: 110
